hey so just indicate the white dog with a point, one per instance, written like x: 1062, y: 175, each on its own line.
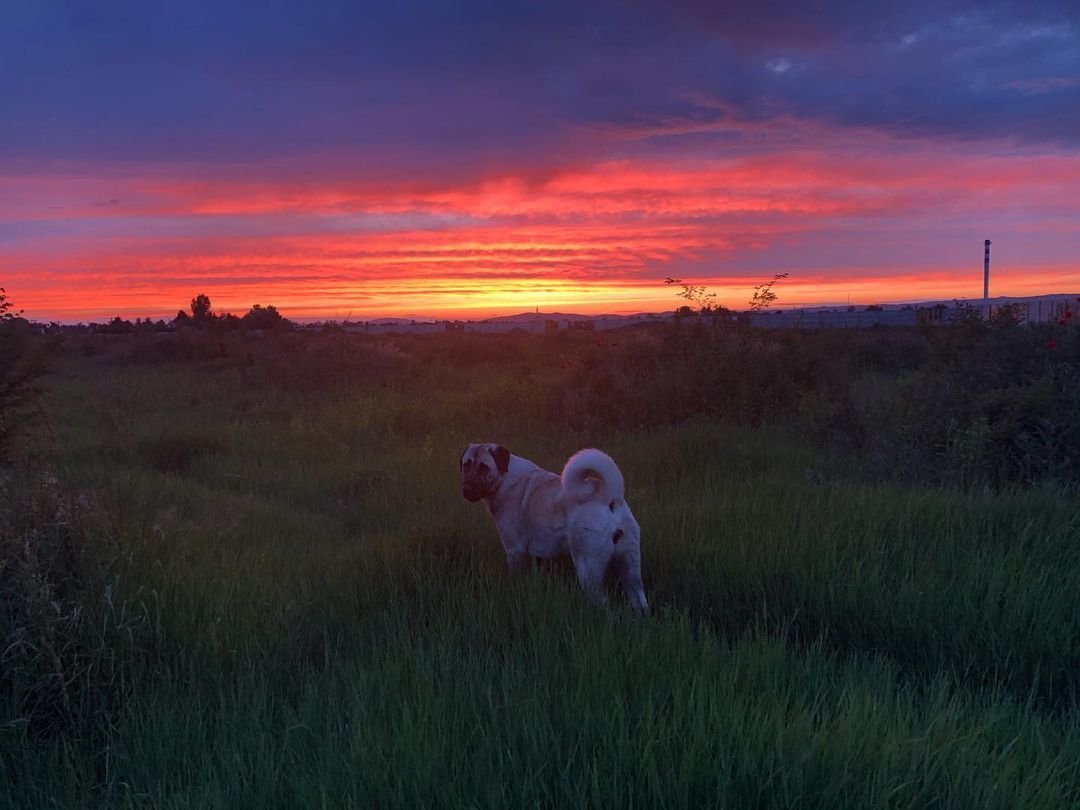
x: 540, y: 514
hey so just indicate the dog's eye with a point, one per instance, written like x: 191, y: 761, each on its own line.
x: 482, y: 467
x: 467, y: 464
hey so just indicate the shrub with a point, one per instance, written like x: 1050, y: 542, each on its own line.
x: 71, y: 646
x: 24, y: 357
x: 975, y: 402
x: 264, y: 318
x: 175, y: 452
x: 990, y: 404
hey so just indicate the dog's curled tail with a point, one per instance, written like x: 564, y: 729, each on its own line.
x: 592, y: 475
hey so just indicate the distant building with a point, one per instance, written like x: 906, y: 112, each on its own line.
x: 833, y: 318
x: 932, y: 316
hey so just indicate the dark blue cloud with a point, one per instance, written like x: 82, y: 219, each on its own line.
x: 945, y: 69
x: 437, y: 85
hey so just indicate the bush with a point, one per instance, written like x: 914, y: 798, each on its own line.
x: 175, y: 452
x: 24, y: 359
x: 71, y: 646
x: 975, y: 402
x: 264, y: 318
x: 990, y: 403
x: 742, y: 376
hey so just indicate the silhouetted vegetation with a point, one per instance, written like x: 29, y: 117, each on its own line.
x: 203, y: 317
x: 24, y: 359
x: 696, y: 294
x: 201, y: 312
x: 764, y: 295
x: 259, y: 317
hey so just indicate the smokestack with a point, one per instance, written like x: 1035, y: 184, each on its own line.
x: 986, y: 273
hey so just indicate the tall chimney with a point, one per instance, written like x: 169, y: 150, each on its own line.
x: 986, y: 273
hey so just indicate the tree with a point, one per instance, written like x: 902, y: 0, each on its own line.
x: 763, y: 296
x: 23, y: 359
x: 6, y: 308
x: 695, y: 294
x: 259, y: 317
x: 200, y: 309
x: 117, y: 326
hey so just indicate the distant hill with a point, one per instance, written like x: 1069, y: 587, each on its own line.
x: 401, y: 319
x: 534, y: 317
x: 948, y: 302
x: 527, y: 317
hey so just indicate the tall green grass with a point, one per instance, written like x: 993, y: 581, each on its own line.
x: 330, y: 624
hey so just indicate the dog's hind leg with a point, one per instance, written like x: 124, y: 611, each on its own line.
x: 627, y: 567
x: 590, y: 562
x: 590, y: 577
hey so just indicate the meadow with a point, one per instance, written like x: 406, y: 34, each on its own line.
x: 238, y: 572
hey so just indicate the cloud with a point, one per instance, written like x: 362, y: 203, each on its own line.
x: 421, y: 87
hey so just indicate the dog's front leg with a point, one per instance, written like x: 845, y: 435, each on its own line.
x: 590, y: 574
x: 627, y: 566
x: 591, y: 580
x: 515, y: 544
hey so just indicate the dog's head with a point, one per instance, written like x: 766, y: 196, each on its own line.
x: 482, y: 469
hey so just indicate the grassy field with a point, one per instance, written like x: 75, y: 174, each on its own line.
x: 270, y: 593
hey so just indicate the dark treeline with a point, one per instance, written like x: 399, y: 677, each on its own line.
x: 202, y: 316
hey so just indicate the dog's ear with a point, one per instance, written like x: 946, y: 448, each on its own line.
x: 502, y: 458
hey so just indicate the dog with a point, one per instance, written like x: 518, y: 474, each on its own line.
x: 540, y: 514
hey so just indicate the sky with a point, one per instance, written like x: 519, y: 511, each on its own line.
x: 461, y: 159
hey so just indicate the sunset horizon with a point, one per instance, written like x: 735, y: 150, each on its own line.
x: 792, y: 293
x: 625, y: 307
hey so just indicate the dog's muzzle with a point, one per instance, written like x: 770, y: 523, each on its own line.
x: 472, y: 493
